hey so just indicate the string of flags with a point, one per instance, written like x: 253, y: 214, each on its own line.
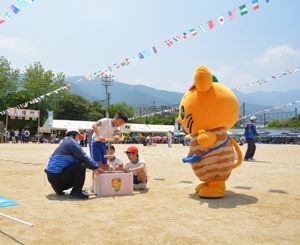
x: 209, y: 25
x: 192, y: 32
x: 271, y: 109
x: 265, y: 80
x: 37, y: 99
x: 14, y: 9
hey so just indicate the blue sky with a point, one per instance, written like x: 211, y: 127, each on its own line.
x: 81, y: 37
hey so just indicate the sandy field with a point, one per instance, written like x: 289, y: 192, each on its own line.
x: 261, y: 205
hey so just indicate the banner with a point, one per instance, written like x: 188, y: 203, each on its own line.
x: 50, y: 118
x: 23, y: 113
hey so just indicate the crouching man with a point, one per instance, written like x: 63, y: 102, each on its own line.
x: 67, y: 166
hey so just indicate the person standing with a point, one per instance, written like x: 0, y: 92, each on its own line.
x: 104, y: 130
x: 250, y: 133
x: 170, y: 138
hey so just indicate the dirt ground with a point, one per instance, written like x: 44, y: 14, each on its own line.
x: 261, y: 205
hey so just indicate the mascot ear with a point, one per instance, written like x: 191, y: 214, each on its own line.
x: 203, y: 79
x: 215, y: 79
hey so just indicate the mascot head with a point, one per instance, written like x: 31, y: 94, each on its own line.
x: 207, y: 104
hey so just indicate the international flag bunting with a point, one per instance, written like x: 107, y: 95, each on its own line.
x: 193, y: 32
x: 141, y: 56
x: 175, y: 39
x: 169, y: 43
x: 14, y: 9
x: 202, y: 28
x: 221, y: 20
x: 255, y: 4
x: 21, y: 3
x: 134, y: 59
x: 243, y: 10
x: 185, y: 35
x: 154, y: 50
x: 231, y: 15
x: 6, y: 14
x: 210, y: 24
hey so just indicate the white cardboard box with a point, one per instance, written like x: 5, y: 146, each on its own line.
x: 113, y: 184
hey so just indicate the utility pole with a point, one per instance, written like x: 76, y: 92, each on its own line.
x: 244, y: 113
x: 107, y: 80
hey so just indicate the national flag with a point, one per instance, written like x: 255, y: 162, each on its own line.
x: 6, y: 14
x: 255, y: 4
x: 1, y: 20
x: 109, y: 68
x: 116, y: 65
x: 175, y: 39
x: 154, y: 50
x: 202, y: 28
x: 21, y: 3
x: 231, y: 15
x: 243, y: 9
x: 221, y: 20
x: 193, y: 32
x: 141, y: 56
x: 210, y: 24
x: 123, y: 63
x: 147, y: 52
x: 134, y: 59
x: 169, y: 43
x: 185, y: 35
x: 267, y: 1
x: 14, y: 9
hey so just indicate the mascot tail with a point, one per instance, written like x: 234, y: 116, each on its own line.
x: 238, y: 151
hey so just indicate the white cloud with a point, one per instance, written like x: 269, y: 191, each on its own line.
x: 17, y: 45
x: 279, y: 58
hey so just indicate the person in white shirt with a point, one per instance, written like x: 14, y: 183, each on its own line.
x: 104, y: 130
x: 115, y: 162
x: 137, y: 166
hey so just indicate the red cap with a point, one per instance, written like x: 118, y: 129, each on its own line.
x: 132, y: 149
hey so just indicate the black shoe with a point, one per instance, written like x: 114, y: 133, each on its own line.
x: 78, y: 196
x: 60, y: 193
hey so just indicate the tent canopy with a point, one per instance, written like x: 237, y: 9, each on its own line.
x: 64, y: 124
x: 87, y: 125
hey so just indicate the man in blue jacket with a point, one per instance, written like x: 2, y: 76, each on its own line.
x: 67, y: 166
x: 250, y: 133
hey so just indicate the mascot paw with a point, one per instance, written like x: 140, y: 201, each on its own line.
x: 197, y: 189
x: 213, y: 190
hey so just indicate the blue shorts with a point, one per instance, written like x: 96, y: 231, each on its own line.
x: 98, y: 151
x: 136, y: 180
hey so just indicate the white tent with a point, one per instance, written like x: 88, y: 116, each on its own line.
x: 160, y: 128
x: 64, y: 124
x: 136, y: 128
x: 87, y: 125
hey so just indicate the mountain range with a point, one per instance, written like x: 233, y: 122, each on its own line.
x: 140, y: 95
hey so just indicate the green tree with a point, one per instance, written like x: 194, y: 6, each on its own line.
x: 73, y: 107
x: 37, y: 81
x: 294, y: 122
x: 113, y: 109
x: 9, y: 83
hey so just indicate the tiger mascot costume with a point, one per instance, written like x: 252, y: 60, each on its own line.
x: 206, y: 111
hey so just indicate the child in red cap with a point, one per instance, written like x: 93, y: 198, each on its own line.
x: 137, y: 166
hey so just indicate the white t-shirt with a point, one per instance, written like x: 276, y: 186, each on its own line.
x: 139, y: 162
x: 115, y: 162
x: 106, y: 129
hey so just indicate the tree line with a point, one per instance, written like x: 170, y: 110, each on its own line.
x: 17, y: 88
